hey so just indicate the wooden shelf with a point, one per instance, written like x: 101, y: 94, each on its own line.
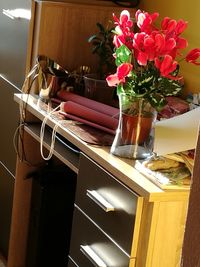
x: 123, y: 169
x: 68, y: 155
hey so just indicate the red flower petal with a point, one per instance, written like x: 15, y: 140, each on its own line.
x: 170, y: 44
x: 159, y: 41
x: 164, y: 23
x: 124, y: 16
x: 112, y: 80
x: 144, y: 20
x: 142, y: 58
x: 149, y: 42
x: 123, y: 70
x: 125, y: 19
x: 166, y: 63
x: 157, y: 63
x: 154, y: 16
x: 181, y: 26
x: 138, y: 41
x: 193, y: 55
x: 137, y: 13
x: 171, y: 25
x: 168, y: 24
x: 166, y: 66
x: 181, y: 43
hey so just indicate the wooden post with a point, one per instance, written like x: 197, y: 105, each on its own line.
x: 191, y: 245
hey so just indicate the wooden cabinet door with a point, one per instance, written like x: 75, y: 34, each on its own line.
x: 61, y: 31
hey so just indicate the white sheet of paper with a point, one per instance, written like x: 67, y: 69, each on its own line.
x: 177, y: 134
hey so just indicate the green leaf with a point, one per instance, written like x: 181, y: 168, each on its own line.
x: 123, y: 55
x: 120, y: 89
x: 101, y: 27
x: 94, y: 50
x: 157, y: 101
x: 92, y: 38
x: 103, y: 47
x: 169, y: 87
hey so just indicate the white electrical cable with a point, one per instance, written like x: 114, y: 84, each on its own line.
x: 26, y: 91
x: 53, y: 136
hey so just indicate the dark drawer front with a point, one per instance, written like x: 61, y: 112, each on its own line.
x: 71, y: 263
x: 9, y: 119
x: 89, y: 244
x: 119, y: 224
x: 6, y: 201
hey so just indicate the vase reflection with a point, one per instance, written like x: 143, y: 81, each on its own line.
x: 134, y: 135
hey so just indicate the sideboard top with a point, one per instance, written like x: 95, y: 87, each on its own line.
x: 122, y: 169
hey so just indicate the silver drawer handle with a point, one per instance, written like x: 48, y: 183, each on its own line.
x: 92, y: 256
x: 100, y: 201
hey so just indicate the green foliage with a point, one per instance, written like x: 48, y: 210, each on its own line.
x: 146, y: 82
x: 102, y: 44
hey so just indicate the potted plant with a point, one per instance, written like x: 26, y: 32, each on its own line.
x: 102, y: 45
x: 147, y: 71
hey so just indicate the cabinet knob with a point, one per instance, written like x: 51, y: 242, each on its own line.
x: 92, y: 256
x: 100, y: 201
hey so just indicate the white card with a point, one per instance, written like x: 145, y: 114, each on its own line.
x: 177, y: 134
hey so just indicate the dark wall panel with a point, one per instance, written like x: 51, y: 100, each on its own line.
x: 13, y: 49
x: 13, y: 45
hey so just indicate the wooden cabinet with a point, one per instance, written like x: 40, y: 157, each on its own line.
x: 61, y: 31
x: 146, y: 229
x: 147, y: 225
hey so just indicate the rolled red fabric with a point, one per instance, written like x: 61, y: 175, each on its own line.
x: 94, y: 125
x: 92, y: 104
x: 89, y: 114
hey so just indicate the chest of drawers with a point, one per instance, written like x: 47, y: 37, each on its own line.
x: 105, y: 219
x: 143, y: 225
x: 121, y: 219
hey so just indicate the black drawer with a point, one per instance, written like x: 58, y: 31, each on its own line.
x: 6, y: 200
x: 93, y: 181
x: 9, y: 111
x: 89, y: 244
x: 71, y: 263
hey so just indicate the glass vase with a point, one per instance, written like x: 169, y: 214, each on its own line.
x: 134, y: 135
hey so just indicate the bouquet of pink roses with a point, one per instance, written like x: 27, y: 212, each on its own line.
x: 148, y: 59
